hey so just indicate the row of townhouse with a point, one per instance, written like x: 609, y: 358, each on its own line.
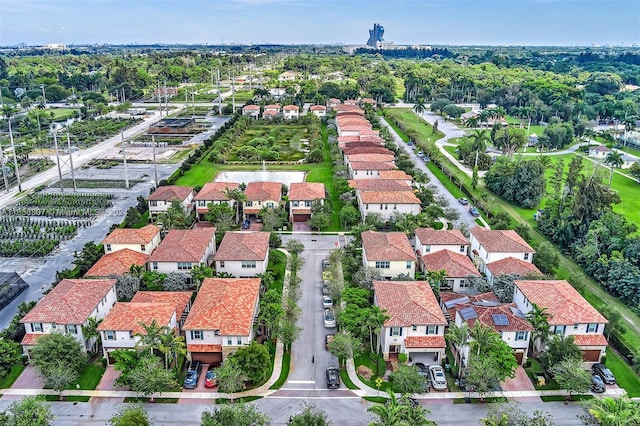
x: 257, y: 195
x: 288, y: 112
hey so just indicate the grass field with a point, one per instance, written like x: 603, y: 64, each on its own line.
x: 284, y: 373
x: 287, y: 139
x: 90, y: 376
x: 420, y: 127
x: 16, y: 371
x: 60, y: 114
x: 625, y: 376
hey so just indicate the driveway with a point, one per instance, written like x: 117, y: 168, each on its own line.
x: 29, y: 379
x: 301, y: 227
x: 200, y: 388
x: 520, y: 382
x: 107, y: 382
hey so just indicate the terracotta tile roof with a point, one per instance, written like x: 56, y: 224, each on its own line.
x: 360, y: 128
x: 318, y: 108
x: 347, y: 108
x: 127, y: 316
x: 379, y: 185
x: 70, y: 302
x: 511, y: 265
x: 372, y: 139
x: 367, y: 132
x: 225, y: 304
x: 563, y: 302
x: 179, y: 299
x: 600, y: 148
x: 291, y: 108
x: 485, y: 314
x: 424, y: 342
x: 272, y: 107
x: 204, y: 348
x: 263, y: 191
x: 441, y: 237
x: 455, y: 264
x: 269, y: 113
x: 408, y: 303
x: 366, y: 165
x: 595, y: 339
x: 306, y: 191
x: 350, y: 112
x: 368, y: 101
x: 215, y: 191
x: 369, y: 149
x: 501, y: 241
x: 370, y: 157
x: 183, y: 245
x: 334, y: 101
x: 30, y: 339
x: 447, y: 296
x: 251, y: 108
x: 144, y: 235
x: 243, y: 246
x: 352, y: 120
x: 391, y: 246
x: 117, y: 263
x: 389, y: 197
x: 394, y: 174
x: 171, y: 192
x: 349, y: 139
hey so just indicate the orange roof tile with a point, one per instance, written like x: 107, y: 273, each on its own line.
x: 388, y: 197
x: 394, y: 174
x: 379, y: 185
x: 501, y: 241
x: 291, y: 108
x: 251, y: 108
x: 387, y: 246
x: 595, y: 339
x: 306, y: 191
x: 70, y: 302
x: 180, y: 299
x: 441, y: 237
x: 127, y: 316
x: 347, y: 108
x: 511, y: 265
x: 263, y: 191
x: 225, y: 304
x: 183, y: 245
x: 143, y: 235
x: 372, y: 165
x: 455, y: 264
x: 117, y: 263
x: 243, y: 246
x: 367, y: 149
x: 204, y: 348
x: 485, y: 314
x: 30, y: 339
x: 170, y: 193
x: 269, y: 113
x: 408, y: 303
x: 215, y: 191
x: 370, y: 157
x: 563, y: 302
x: 318, y: 108
x: 424, y: 342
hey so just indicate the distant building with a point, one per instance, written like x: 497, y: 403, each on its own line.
x: 376, y: 36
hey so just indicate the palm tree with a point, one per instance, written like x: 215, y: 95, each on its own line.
x: 614, y: 411
x: 373, y: 324
x: 199, y: 273
x: 483, y: 336
x: 479, y: 139
x: 545, y: 160
x: 136, y: 271
x: 458, y: 336
x: 171, y: 346
x: 90, y: 331
x: 174, y: 217
x: 614, y: 158
x: 238, y: 198
x: 389, y: 414
x: 152, y: 336
x: 539, y: 319
x: 436, y: 279
x: 472, y: 122
x: 419, y: 108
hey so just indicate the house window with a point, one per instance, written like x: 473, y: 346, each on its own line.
x: 463, y: 249
x: 248, y: 264
x: 131, y: 336
x: 36, y: 326
x: 229, y: 341
x: 108, y: 247
x: 196, y: 334
x: 575, y: 326
x: 239, y: 340
x: 154, y: 265
x: 307, y: 203
x: 427, y: 249
x: 383, y: 265
x: 432, y: 329
x: 110, y: 335
x: 201, y: 203
x: 366, y: 206
x: 396, y: 331
x: 249, y: 203
x: 270, y: 205
x: 380, y: 206
x: 560, y: 329
x: 295, y: 204
x: 521, y: 335
x: 463, y: 283
x: 526, y: 256
x: 216, y: 332
x: 71, y: 328
x: 185, y: 265
x: 450, y: 283
x: 153, y: 203
x: 592, y: 328
x: 409, y: 264
x: 222, y: 263
x: 143, y: 247
x: 414, y: 327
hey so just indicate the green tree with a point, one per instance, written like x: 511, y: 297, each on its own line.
x: 294, y: 247
x: 236, y: 415
x: 419, y: 108
x: 482, y: 337
x: 59, y: 376
x: 149, y: 377
x: 613, y: 411
x: 238, y: 198
x: 152, y: 335
x: 538, y: 318
x: 172, y: 346
x: 130, y: 415
x: 31, y: 411
x: 634, y: 170
x: 10, y: 354
x: 614, y: 159
x: 90, y: 332
x: 474, y: 178
x: 457, y: 336
x: 407, y: 379
x: 510, y: 414
x: 174, y: 217
x: 221, y: 216
x: 571, y: 376
x: 231, y: 378
x: 288, y: 331
x: 345, y: 346
x: 57, y: 353
x: 310, y: 416
x: 482, y: 375
x: 199, y: 273
x: 253, y: 360
x: 320, y: 221
x: 560, y: 348
x: 389, y: 414
x: 349, y: 216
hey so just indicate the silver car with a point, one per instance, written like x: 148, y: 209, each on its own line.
x: 329, y: 318
x: 438, y: 379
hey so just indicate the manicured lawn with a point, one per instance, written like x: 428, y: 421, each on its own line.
x: 423, y: 129
x: 558, y: 398
x: 60, y: 114
x: 90, y: 376
x: 16, y: 371
x: 376, y: 399
x: 452, y: 150
x: 625, y: 376
x: 346, y: 380
x: 538, y: 130
x: 536, y: 368
x: 70, y: 398
x: 286, y: 364
x: 369, y: 361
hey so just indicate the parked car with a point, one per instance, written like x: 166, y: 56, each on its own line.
x: 463, y: 201
x: 326, y: 275
x: 329, y: 318
x: 438, y: 379
x: 327, y: 302
x: 193, y: 372
x: 606, y: 374
x: 419, y: 153
x: 425, y: 158
x: 597, y: 384
x: 424, y: 371
x: 474, y: 211
x: 325, y: 264
x: 328, y: 338
x: 325, y: 287
x: 333, y: 378
x: 210, y: 378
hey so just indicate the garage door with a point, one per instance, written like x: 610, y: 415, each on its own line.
x: 301, y: 217
x: 207, y: 357
x: 591, y: 356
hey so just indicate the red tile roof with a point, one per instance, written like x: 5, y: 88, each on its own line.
x: 263, y: 191
x: 30, y: 339
x: 291, y: 108
x: 394, y: 174
x: 511, y: 265
x: 369, y: 149
x: 563, y: 302
x: 379, y: 185
x: 251, y: 108
x: 117, y: 263
x: 424, y: 342
x: 334, y: 101
x: 144, y: 235
x: 408, y: 303
x: 441, y: 237
x: 387, y: 246
x: 485, y: 314
x: 180, y: 299
x: 368, y: 101
x: 370, y: 157
x: 215, y: 191
x: 501, y: 241
x: 455, y: 264
x: 269, y: 113
x: 127, y: 316
x: 204, y: 348
x: 595, y: 339
x: 388, y: 197
x: 318, y: 108
x: 70, y: 302
x: 369, y: 165
x: 347, y: 108
x: 349, y: 139
x: 170, y: 193
x: 243, y: 246
x: 272, y: 107
x: 225, y: 304
x: 182, y: 245
x: 447, y: 296
x: 306, y: 191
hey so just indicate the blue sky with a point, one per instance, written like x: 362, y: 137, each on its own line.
x: 492, y: 22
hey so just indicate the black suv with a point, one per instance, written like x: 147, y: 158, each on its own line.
x: 193, y: 372
x: 606, y: 374
x: 333, y: 378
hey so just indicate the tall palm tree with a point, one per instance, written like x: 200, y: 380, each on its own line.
x: 614, y: 411
x: 389, y: 414
x: 238, y: 198
x: 614, y: 158
x: 436, y: 279
x: 483, y: 336
x: 90, y: 331
x: 373, y: 324
x: 545, y: 160
x: 538, y: 318
x: 199, y: 273
x: 458, y: 336
x: 479, y: 139
x: 171, y: 346
x: 152, y: 336
x: 419, y: 108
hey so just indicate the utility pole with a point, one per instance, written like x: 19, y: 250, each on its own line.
x: 55, y: 144
x: 166, y: 98
x: 233, y: 88
x: 159, y: 99
x: 73, y: 173
x: 219, y: 94
x: 124, y: 156
x: 13, y: 151
x: 4, y: 169
x: 155, y: 164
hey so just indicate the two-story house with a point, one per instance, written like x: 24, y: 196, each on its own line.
x: 333, y: 102
x: 570, y: 314
x: 252, y: 111
x: 318, y: 110
x: 301, y: 197
x: 117, y: 263
x: 68, y: 307
x: 389, y: 252
x: 180, y: 299
x: 290, y: 112
x: 386, y: 203
x: 416, y: 324
x: 142, y: 240
x: 429, y: 240
x: 275, y: 108
x: 259, y: 195
x: 599, y: 151
x: 221, y: 318
x: 182, y: 250
x: 214, y: 193
x: 509, y: 266
x: 397, y: 175
x: 162, y: 198
x: 457, y: 268
x: 369, y: 170
x: 490, y: 245
x: 243, y: 254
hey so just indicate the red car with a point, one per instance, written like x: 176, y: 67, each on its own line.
x: 210, y: 379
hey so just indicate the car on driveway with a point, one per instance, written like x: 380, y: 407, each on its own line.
x: 597, y: 384
x: 327, y: 302
x: 463, y: 201
x: 606, y: 374
x: 333, y: 378
x: 193, y: 372
x: 423, y: 370
x: 329, y: 318
x: 474, y: 211
x: 210, y: 378
x: 438, y: 379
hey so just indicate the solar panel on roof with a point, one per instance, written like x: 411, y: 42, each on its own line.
x: 517, y: 312
x: 468, y: 313
x: 500, y: 319
x: 457, y: 301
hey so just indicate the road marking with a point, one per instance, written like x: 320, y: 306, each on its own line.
x: 301, y: 381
